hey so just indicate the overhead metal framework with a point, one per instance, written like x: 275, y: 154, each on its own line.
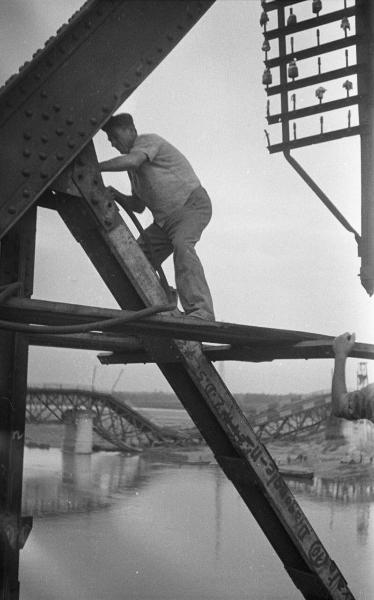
x: 292, y: 76
x: 49, y: 114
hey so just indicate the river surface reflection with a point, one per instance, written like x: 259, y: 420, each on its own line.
x: 110, y: 527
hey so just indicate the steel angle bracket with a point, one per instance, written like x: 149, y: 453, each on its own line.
x: 83, y: 179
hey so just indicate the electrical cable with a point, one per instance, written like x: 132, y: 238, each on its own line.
x: 86, y: 327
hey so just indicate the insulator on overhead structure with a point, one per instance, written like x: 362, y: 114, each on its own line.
x: 267, y: 77
x: 316, y: 7
x: 292, y: 19
x: 265, y: 46
x: 345, y: 25
x: 264, y: 18
x: 320, y: 92
x: 293, y: 71
x: 347, y: 85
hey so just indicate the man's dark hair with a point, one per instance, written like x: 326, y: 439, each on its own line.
x: 124, y: 120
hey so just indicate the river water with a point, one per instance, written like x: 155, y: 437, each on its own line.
x: 115, y: 527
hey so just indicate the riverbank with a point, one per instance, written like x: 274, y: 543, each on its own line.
x: 326, y: 458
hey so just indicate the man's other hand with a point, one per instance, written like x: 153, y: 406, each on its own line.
x: 343, y: 344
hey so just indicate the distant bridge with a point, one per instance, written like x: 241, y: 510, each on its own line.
x: 302, y: 417
x: 113, y: 419
x: 128, y: 430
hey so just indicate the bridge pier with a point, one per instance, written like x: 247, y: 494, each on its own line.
x: 78, y: 435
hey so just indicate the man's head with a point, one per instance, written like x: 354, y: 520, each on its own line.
x: 121, y: 132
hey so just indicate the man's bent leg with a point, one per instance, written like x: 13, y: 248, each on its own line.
x: 155, y: 244
x: 184, y: 229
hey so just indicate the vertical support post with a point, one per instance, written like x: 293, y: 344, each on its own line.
x: 283, y: 76
x: 365, y: 82
x: 16, y: 264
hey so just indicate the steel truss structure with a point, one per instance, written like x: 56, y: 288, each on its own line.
x: 113, y: 419
x: 301, y: 418
x: 49, y: 113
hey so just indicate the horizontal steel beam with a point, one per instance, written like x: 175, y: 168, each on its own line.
x: 89, y: 341
x: 313, y: 110
x: 315, y: 139
x: 299, y: 350
x: 310, y: 23
x: 241, y: 342
x: 315, y: 79
x: 351, y: 40
x: 44, y: 312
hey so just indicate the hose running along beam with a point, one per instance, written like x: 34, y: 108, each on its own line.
x: 84, y: 327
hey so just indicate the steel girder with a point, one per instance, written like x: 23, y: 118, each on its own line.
x: 59, y: 100
x: 16, y: 265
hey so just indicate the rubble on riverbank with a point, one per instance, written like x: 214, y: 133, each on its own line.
x: 327, y: 458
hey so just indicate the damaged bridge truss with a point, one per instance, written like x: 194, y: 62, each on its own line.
x: 49, y: 114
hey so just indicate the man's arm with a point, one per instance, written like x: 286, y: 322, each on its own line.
x: 132, y: 203
x: 133, y: 160
x: 342, y: 346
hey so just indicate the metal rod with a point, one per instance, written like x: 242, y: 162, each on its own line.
x: 321, y: 195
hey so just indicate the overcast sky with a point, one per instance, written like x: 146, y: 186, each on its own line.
x: 273, y: 254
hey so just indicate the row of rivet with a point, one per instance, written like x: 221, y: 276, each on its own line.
x: 75, y: 36
x: 49, y: 61
x: 26, y: 193
x: 93, y: 120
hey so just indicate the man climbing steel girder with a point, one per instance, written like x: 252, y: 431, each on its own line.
x: 163, y: 180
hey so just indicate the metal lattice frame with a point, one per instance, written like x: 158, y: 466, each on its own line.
x: 307, y: 416
x: 114, y: 420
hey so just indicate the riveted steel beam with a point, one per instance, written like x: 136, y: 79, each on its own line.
x: 58, y: 101
x: 16, y: 265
